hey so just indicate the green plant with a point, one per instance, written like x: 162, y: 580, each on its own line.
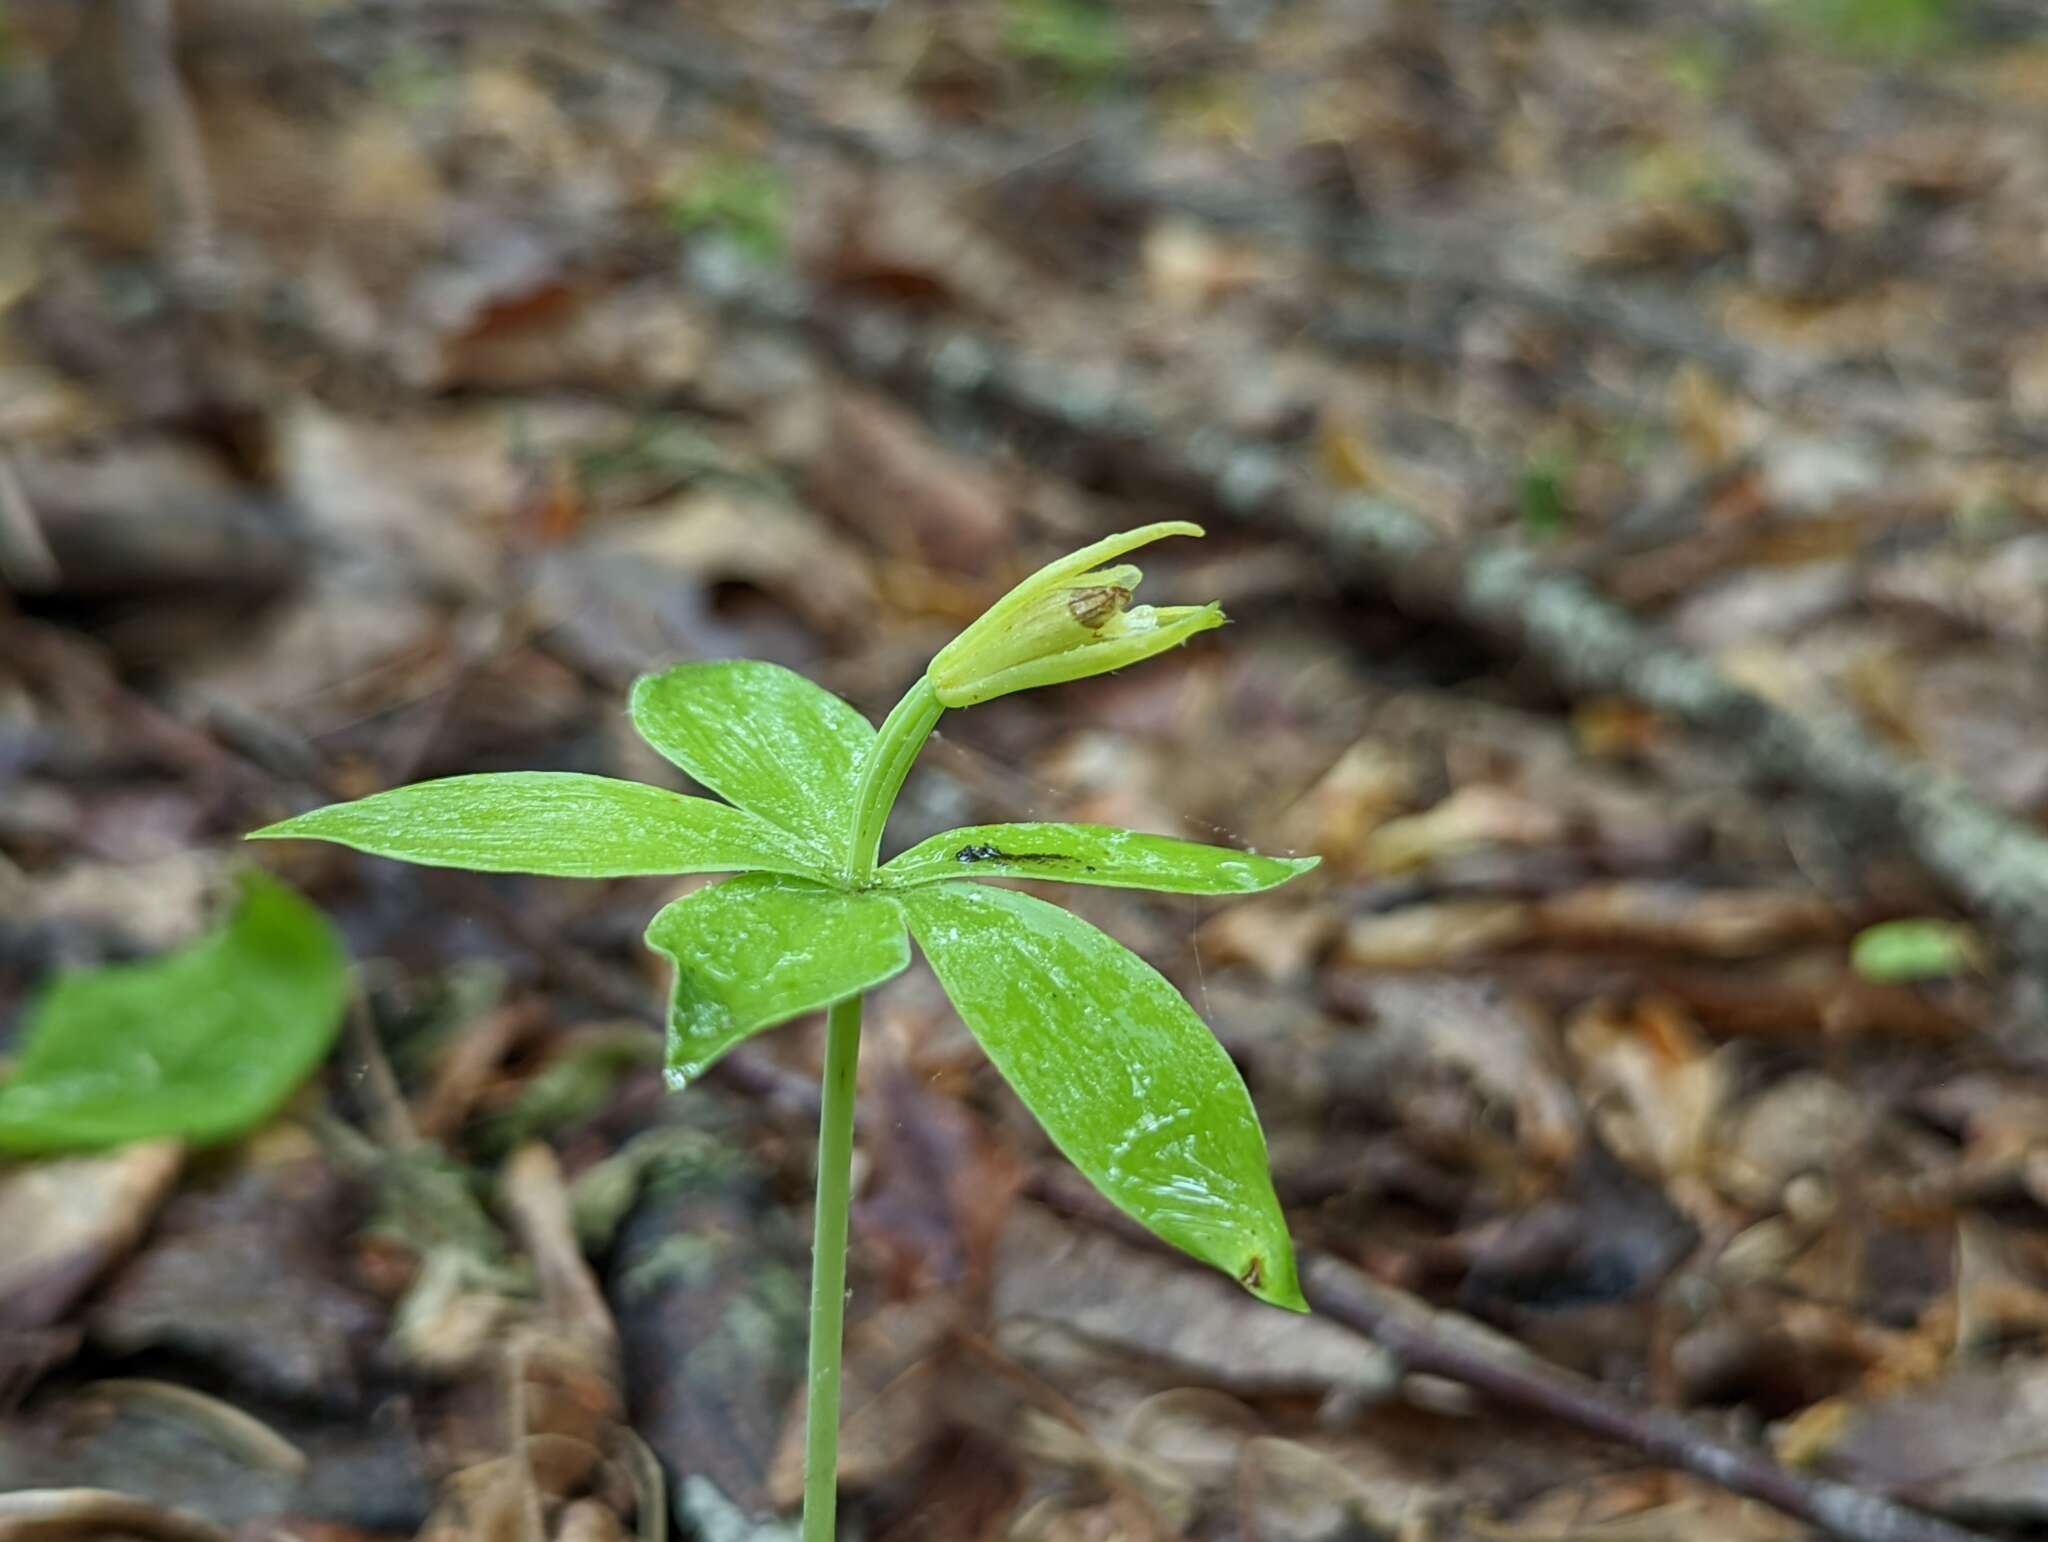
x: 1077, y: 40
x: 1918, y: 949
x: 1542, y: 493
x: 1898, y: 30
x: 743, y: 200
x: 200, y: 1045
x: 1113, y: 1062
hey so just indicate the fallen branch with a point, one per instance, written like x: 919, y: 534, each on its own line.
x: 1450, y: 1345
x: 1992, y: 863
x: 1446, y: 1344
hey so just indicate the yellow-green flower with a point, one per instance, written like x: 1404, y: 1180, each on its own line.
x: 1069, y: 620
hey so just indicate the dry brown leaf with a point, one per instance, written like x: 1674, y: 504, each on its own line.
x: 561, y: 1440
x: 1188, y: 267
x: 1805, y: 1123
x: 1445, y: 1032
x: 1094, y: 1284
x: 1655, y: 1507
x: 1684, y: 918
x: 716, y: 537
x: 1434, y: 936
x: 1970, y: 1443
x: 881, y: 473
x: 1338, y: 815
x: 2001, y: 1291
x: 1278, y: 941
x: 245, y: 1273
x: 94, y: 1515
x: 1476, y: 818
x: 895, y: 1401
x: 641, y: 340
x: 1656, y: 1091
x: 1288, y: 1491
x: 72, y: 1219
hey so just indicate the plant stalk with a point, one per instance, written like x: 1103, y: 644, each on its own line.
x: 828, y: 1270
x: 896, y: 748
x: 897, y: 745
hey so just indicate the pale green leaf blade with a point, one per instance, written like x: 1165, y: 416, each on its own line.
x: 559, y: 823
x: 1911, y: 951
x: 1118, y: 1069
x: 201, y: 1044
x: 763, y: 737
x: 1096, y: 854
x: 759, y: 950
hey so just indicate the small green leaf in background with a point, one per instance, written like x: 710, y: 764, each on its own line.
x: 743, y: 200
x: 757, y: 951
x: 1097, y: 854
x: 763, y: 737
x: 1902, y: 952
x: 1894, y: 30
x: 1079, y: 40
x: 559, y: 823
x: 1540, y: 492
x: 1118, y: 1069
x: 200, y: 1045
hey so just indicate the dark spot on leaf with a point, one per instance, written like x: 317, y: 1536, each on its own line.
x: 991, y: 854
x: 1254, y: 1275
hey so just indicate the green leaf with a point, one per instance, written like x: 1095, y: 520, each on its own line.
x: 759, y: 950
x: 202, y: 1044
x: 1125, y: 1078
x: 1098, y: 854
x: 765, y: 738
x: 1902, y: 952
x: 559, y: 823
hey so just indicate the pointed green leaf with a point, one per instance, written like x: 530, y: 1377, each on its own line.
x: 759, y: 950
x: 1097, y: 854
x: 1121, y: 1073
x: 1909, y: 951
x: 559, y: 823
x: 201, y: 1045
x: 763, y: 737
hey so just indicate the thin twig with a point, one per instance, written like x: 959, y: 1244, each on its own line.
x: 1448, y: 1345
x: 26, y: 561
x: 385, y: 1109
x: 171, y: 145
x: 1456, y: 1347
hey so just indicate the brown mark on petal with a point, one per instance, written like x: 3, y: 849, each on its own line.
x: 1093, y: 607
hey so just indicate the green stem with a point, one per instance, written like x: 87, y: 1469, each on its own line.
x: 828, y: 1270
x: 896, y: 748
x: 902, y: 735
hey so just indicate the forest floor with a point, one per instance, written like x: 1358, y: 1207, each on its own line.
x: 1622, y: 430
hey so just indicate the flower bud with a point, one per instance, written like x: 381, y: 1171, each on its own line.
x: 1067, y: 621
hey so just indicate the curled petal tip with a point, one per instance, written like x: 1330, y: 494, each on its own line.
x: 1071, y: 619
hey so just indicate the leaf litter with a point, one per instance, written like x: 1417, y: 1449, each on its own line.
x: 1577, y: 1031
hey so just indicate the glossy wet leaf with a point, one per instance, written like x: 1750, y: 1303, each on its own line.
x: 1122, y: 1074
x: 1097, y: 854
x: 201, y: 1044
x: 559, y: 823
x: 759, y: 950
x: 765, y: 738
